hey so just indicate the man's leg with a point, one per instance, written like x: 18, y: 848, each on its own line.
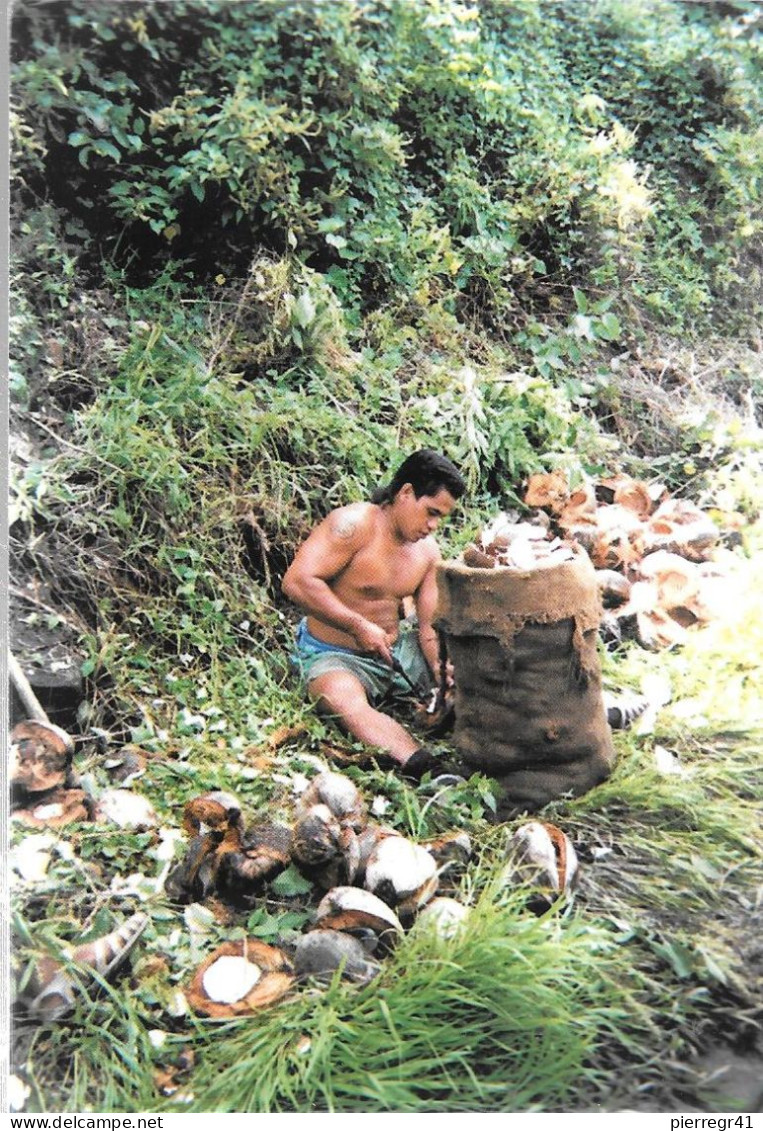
x: 341, y: 694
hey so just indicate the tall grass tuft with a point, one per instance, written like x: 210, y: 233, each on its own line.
x: 503, y: 1017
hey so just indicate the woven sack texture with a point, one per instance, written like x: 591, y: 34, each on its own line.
x: 529, y: 710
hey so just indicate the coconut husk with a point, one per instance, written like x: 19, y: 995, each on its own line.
x: 277, y: 978
x: 264, y: 853
x: 624, y: 489
x: 352, y: 909
x: 627, y: 492
x: 635, y: 496
x: 341, y: 796
x: 195, y: 876
x: 402, y: 874
x: 614, y: 588
x: 680, y: 527
x: 658, y: 629
x: 260, y: 756
x: 685, y: 590
x: 618, y: 541
x: 55, y: 809
x: 604, y: 489
x: 214, y: 811
x: 325, y: 849
x: 452, y: 850
x: 678, y: 581
x: 126, y: 764
x: 41, y: 756
x: 478, y: 559
x: 546, y: 852
x: 616, y: 549
x: 695, y: 541
x: 548, y: 490
x: 579, y: 509
x: 584, y: 535
x: 368, y: 839
x: 57, y: 988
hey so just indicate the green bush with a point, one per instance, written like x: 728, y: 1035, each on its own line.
x: 434, y: 150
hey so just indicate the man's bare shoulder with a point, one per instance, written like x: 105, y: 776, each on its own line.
x: 430, y: 551
x: 427, y: 555
x: 356, y: 520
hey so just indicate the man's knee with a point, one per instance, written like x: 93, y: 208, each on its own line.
x: 336, y: 692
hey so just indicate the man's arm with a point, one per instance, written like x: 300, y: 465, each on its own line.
x: 319, y: 560
x: 426, y: 602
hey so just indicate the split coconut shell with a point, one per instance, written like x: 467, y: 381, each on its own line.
x: 55, y: 809
x: 340, y: 795
x: 58, y: 986
x: 356, y: 911
x: 41, y: 756
x: 239, y: 978
x: 402, y: 874
x: 548, y: 490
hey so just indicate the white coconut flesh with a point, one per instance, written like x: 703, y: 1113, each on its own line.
x: 444, y: 916
x: 230, y: 979
x: 537, y: 848
x: 407, y: 866
x: 49, y: 812
x: 346, y: 900
x: 338, y: 793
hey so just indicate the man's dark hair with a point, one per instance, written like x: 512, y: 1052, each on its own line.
x: 427, y: 472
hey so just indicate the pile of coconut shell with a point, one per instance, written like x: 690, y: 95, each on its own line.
x: 654, y: 555
x: 377, y: 885
x: 44, y: 793
x: 372, y: 885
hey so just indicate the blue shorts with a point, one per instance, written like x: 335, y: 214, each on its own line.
x: 313, y: 658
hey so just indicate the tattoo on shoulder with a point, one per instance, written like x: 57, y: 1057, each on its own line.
x: 346, y: 525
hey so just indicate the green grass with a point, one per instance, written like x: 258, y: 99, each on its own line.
x: 502, y: 1018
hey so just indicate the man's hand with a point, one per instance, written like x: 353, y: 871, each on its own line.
x: 372, y: 638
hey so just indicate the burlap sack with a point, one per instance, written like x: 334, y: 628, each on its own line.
x: 529, y: 710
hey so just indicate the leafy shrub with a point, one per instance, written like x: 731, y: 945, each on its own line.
x: 419, y: 149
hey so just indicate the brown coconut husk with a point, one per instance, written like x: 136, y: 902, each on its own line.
x: 627, y: 492
x: 579, y: 509
x: 614, y: 587
x: 265, y: 852
x: 680, y: 527
x: 548, y: 490
x: 477, y: 559
x: 55, y: 809
x: 216, y: 811
x: 42, y: 756
x: 276, y: 981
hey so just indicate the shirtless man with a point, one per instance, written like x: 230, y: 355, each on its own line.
x: 350, y: 577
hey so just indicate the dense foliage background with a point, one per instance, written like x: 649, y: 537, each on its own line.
x: 243, y: 230
x: 262, y: 250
